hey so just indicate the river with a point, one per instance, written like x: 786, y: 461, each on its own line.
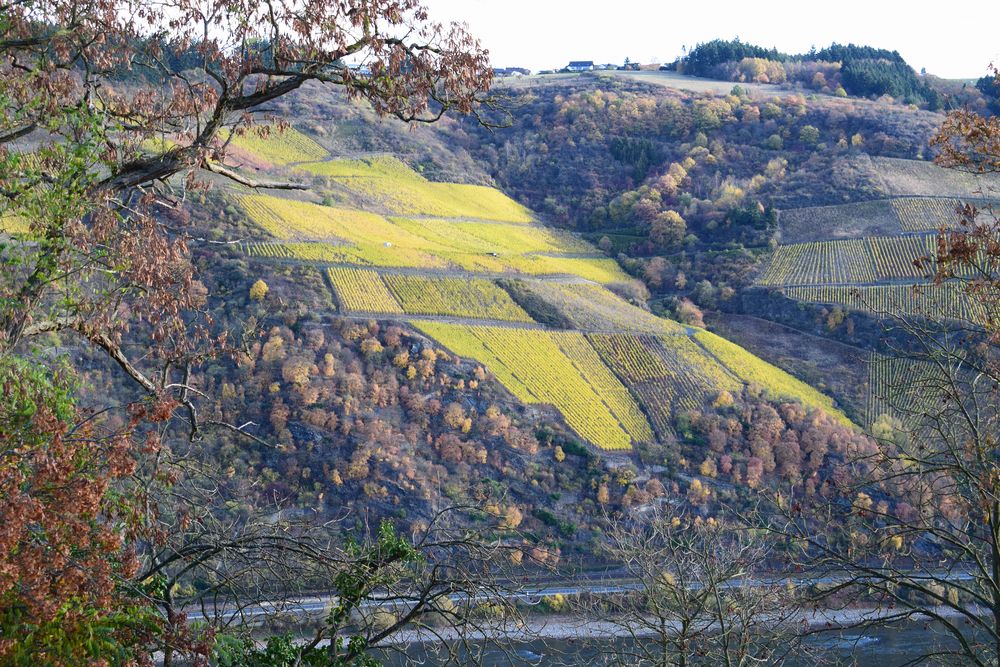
x: 877, y: 648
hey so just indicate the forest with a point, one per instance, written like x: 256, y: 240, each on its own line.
x: 859, y: 71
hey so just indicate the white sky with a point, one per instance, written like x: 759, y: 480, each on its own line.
x: 951, y: 38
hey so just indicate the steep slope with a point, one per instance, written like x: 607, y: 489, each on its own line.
x: 456, y: 262
x: 877, y: 257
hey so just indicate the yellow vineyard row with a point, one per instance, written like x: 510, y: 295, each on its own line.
x: 554, y: 368
x: 460, y: 297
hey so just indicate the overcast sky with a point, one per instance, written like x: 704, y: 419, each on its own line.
x: 955, y: 39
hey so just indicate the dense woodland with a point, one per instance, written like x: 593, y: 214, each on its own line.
x: 860, y: 71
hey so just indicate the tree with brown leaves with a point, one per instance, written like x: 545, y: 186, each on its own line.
x: 109, y: 112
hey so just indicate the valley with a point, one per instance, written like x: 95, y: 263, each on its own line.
x: 327, y: 339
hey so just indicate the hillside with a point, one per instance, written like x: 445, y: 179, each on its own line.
x: 760, y: 209
x: 399, y: 336
x: 877, y: 257
x: 539, y: 308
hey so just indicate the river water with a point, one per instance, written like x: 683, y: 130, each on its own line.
x: 884, y: 647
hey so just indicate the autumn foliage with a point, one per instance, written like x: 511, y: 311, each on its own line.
x: 63, y: 554
x: 109, y: 112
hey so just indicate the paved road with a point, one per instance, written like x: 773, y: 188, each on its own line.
x: 311, y: 607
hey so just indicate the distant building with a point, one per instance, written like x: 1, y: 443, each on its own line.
x: 511, y: 71
x: 580, y: 66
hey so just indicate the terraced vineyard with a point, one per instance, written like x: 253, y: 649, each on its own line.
x: 290, y: 219
x: 362, y: 290
x: 844, y: 261
x: 850, y: 261
x: 534, y: 366
x: 373, y: 167
x: 370, y: 255
x: 589, y: 364
x: 667, y: 373
x: 878, y: 273
x: 618, y: 367
x: 917, y: 177
x: 359, y: 237
x: 777, y: 382
x: 645, y: 373
x: 598, y: 270
x: 522, y: 239
x: 593, y: 308
x: 944, y: 300
x: 882, y: 217
x: 841, y: 221
x: 917, y: 214
x: 899, y: 388
x: 281, y: 147
x: 425, y: 295
x: 389, y: 184
x: 895, y: 257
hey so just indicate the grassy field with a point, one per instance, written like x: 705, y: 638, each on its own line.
x: 14, y: 224
x: 699, y: 85
x: 536, y: 367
